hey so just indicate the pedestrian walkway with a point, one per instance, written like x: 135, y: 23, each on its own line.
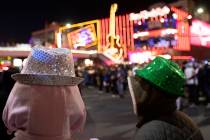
x: 111, y: 118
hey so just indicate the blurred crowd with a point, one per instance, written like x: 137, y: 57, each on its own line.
x: 197, y: 82
x: 113, y: 79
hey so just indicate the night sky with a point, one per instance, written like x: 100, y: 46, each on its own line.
x: 18, y: 18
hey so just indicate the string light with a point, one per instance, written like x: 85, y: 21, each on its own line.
x: 150, y: 14
x: 162, y: 20
x: 175, y: 16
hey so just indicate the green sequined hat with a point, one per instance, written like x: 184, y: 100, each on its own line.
x: 164, y: 74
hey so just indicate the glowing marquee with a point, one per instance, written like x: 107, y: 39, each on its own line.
x: 84, y: 37
x: 145, y: 57
x: 149, y: 14
x: 200, y: 33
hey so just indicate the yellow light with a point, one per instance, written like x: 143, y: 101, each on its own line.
x: 9, y: 58
x: 98, y: 34
x: 77, y: 25
x: 68, y: 25
x: 200, y: 10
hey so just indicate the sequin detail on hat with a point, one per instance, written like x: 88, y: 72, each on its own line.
x: 48, y: 62
x: 165, y: 74
x: 47, y: 66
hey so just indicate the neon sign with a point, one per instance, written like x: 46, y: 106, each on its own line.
x: 145, y: 57
x: 84, y: 37
x: 155, y: 33
x: 140, y: 57
x: 200, y: 33
x: 150, y: 14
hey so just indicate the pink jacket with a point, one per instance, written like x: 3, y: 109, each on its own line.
x: 44, y: 112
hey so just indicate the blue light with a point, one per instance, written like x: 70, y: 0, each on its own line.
x: 41, y: 56
x: 151, y: 42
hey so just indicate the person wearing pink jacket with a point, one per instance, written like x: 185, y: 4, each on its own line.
x: 45, y: 103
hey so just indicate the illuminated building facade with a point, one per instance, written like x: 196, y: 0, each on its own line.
x: 82, y: 38
x: 155, y: 32
x: 46, y: 36
x: 165, y: 30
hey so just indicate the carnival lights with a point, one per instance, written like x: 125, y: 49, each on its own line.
x: 168, y: 31
x: 140, y: 34
x: 162, y: 20
x: 140, y: 57
x: 200, y: 33
x: 139, y: 23
x: 150, y: 14
x: 83, y: 37
x: 175, y: 16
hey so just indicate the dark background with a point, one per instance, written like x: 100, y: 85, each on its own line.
x: 18, y: 18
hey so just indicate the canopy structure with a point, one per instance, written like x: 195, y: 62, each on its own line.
x: 20, y: 50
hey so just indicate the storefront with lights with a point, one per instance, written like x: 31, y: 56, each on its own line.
x: 14, y: 56
x: 200, y: 39
x: 82, y: 39
x: 165, y: 31
x: 161, y: 31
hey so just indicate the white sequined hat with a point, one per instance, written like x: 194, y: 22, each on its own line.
x: 47, y: 66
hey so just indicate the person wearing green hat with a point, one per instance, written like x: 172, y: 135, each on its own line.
x: 154, y: 90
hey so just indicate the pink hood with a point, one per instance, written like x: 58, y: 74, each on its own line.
x: 44, y: 112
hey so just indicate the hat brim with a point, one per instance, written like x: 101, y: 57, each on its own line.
x: 51, y: 80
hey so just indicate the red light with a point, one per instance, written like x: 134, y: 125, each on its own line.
x: 128, y: 31
x: 120, y: 28
x: 200, y: 33
x: 182, y: 57
x: 124, y: 30
x: 183, y: 30
x: 124, y: 36
x: 117, y: 25
x: 132, y: 32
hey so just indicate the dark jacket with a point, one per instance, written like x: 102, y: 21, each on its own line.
x: 176, y: 126
x: 159, y: 119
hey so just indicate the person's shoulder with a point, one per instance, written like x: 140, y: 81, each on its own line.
x: 155, y: 126
x: 186, y: 120
x: 157, y: 130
